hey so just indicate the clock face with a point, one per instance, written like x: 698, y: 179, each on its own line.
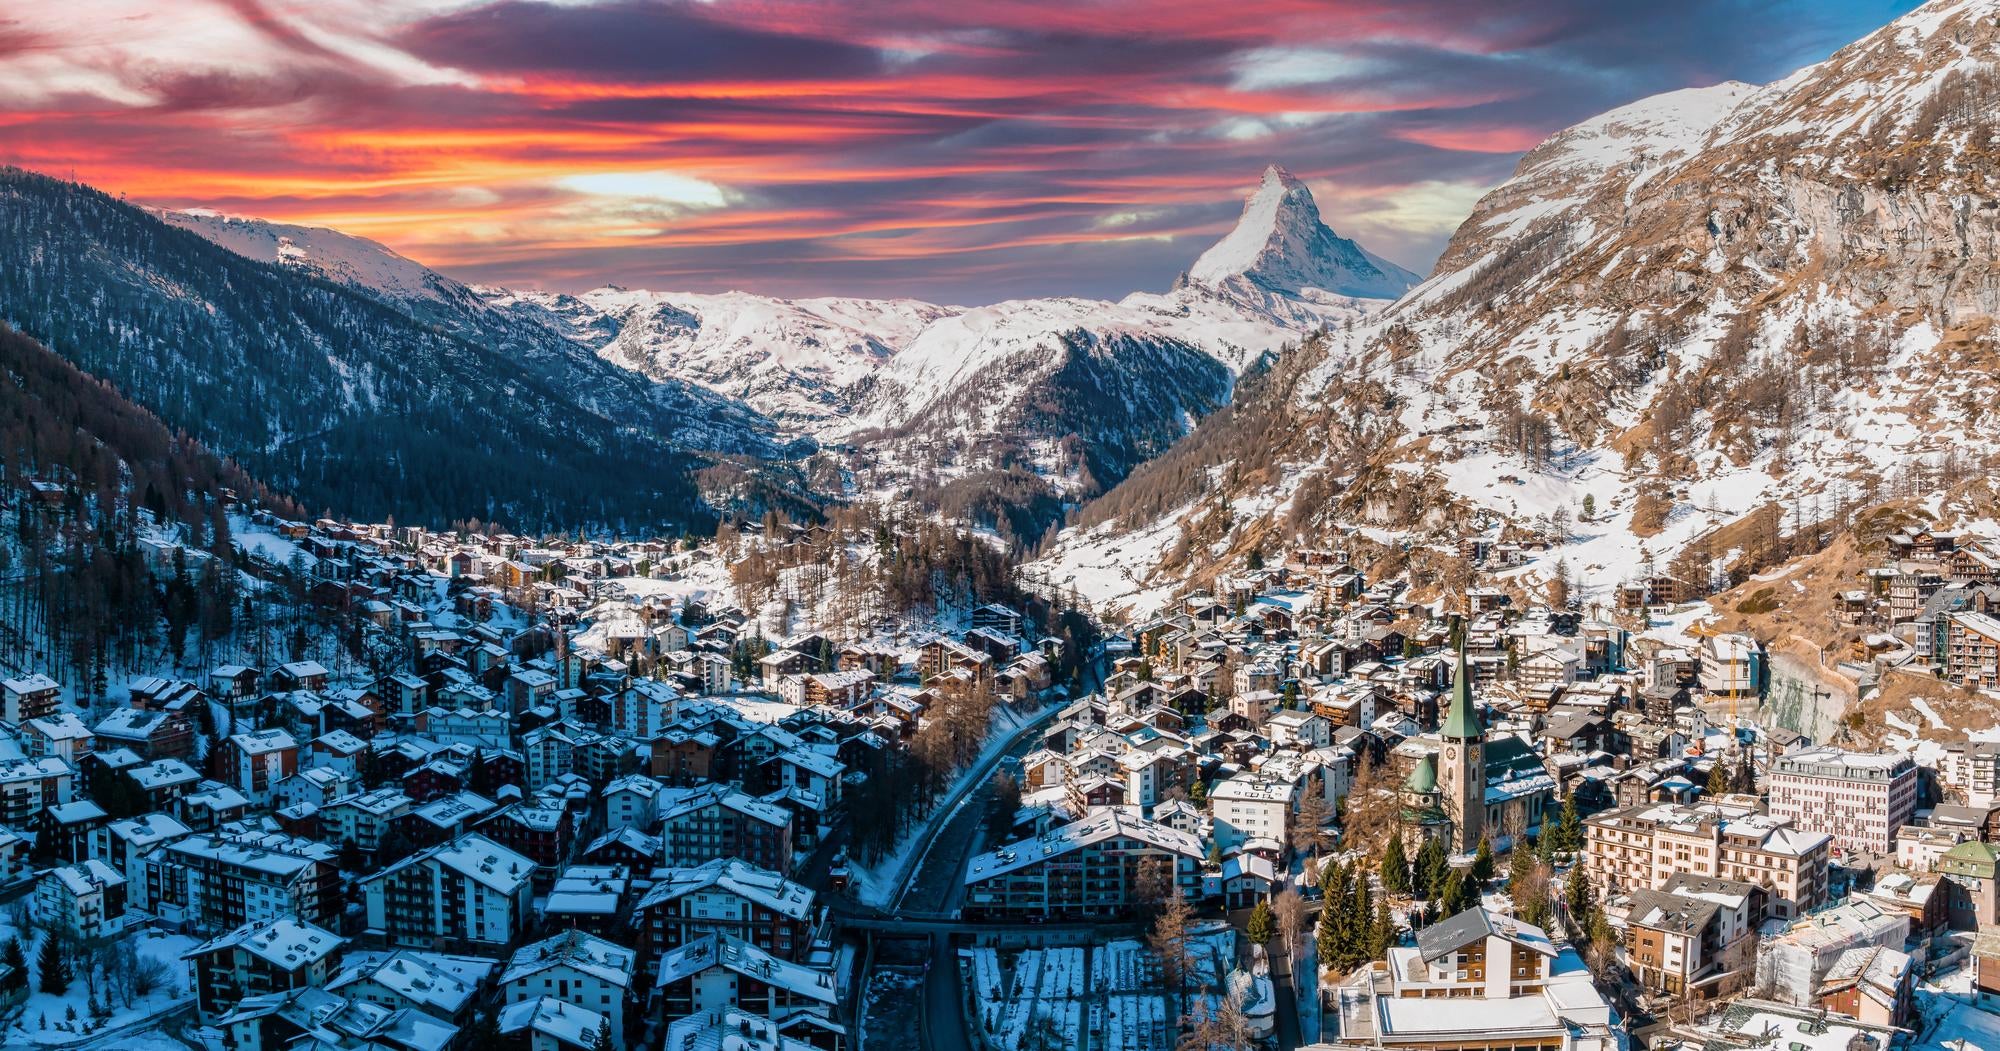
x: 1451, y: 753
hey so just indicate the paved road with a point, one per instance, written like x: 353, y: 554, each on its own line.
x: 932, y: 882
x: 937, y: 886
x: 959, y: 816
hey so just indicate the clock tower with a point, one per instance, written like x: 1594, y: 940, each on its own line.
x: 1462, y: 764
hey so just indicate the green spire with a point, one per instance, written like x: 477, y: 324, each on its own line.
x: 1460, y: 721
x: 1423, y: 779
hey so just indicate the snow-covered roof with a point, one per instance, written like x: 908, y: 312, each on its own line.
x: 1097, y: 825
x: 286, y: 942
x: 578, y: 950
x: 563, y: 1022
x: 762, y: 886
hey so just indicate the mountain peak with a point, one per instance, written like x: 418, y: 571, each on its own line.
x: 1281, y: 245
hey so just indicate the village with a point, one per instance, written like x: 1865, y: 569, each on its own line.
x: 566, y: 794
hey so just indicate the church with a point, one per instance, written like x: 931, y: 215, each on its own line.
x: 1473, y: 786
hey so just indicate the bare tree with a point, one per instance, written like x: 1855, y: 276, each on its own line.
x: 1222, y: 1029
x: 1172, y: 947
x: 1309, y: 822
x: 1290, y: 910
x: 1370, y: 813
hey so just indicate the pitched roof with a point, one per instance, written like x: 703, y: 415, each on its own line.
x: 1476, y: 923
x: 1460, y: 720
x: 288, y: 943
x: 606, y: 961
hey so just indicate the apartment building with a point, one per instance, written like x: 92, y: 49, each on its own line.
x: 29, y: 697
x: 258, y: 760
x: 219, y: 881
x: 86, y: 899
x: 259, y: 958
x: 1970, y: 653
x: 1690, y: 935
x: 30, y: 786
x: 730, y: 897
x: 470, y: 891
x: 1096, y: 867
x: 1641, y: 847
x: 1250, y: 807
x: 1475, y: 980
x: 1858, y: 798
x: 1732, y: 666
x: 576, y: 968
x: 717, y: 820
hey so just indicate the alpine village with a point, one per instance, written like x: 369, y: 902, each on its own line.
x: 1591, y: 644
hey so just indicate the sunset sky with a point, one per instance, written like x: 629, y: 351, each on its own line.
x: 955, y: 151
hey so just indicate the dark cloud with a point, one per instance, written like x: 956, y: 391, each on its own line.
x: 655, y: 42
x: 964, y: 152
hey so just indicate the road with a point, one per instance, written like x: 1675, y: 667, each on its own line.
x: 937, y: 886
x: 930, y: 887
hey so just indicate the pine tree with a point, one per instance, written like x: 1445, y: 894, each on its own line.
x: 1262, y: 925
x: 16, y: 963
x: 1459, y: 894
x: 1746, y: 774
x: 603, y: 1041
x: 1567, y: 836
x: 1718, y: 778
x: 1381, y: 933
x: 1482, y: 862
x: 1395, y: 868
x: 1433, y: 866
x: 1580, y: 897
x: 52, y: 967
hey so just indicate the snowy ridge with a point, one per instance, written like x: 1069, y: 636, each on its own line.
x: 1280, y: 244
x: 330, y: 254
x: 836, y: 370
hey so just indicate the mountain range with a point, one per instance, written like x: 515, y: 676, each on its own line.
x: 1054, y: 399
x: 1680, y: 332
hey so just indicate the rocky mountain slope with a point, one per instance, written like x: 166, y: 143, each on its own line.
x: 1281, y: 245
x: 1706, y: 304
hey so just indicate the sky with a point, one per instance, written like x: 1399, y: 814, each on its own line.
x: 959, y: 151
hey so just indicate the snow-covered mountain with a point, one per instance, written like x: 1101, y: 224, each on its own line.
x: 1281, y: 245
x: 799, y: 361
x: 838, y: 368
x: 339, y: 257
x: 1075, y: 392
x: 1688, y: 310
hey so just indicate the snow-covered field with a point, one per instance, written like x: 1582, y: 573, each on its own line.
x: 46, y: 1017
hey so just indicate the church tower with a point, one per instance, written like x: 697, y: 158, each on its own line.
x: 1463, y: 764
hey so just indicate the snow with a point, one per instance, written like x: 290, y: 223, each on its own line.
x: 172, y: 995
x: 1930, y: 714
x: 1950, y: 1017
x: 1280, y: 243
x: 876, y: 884
x: 260, y: 543
x: 326, y: 253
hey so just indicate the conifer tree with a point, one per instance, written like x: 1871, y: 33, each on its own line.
x: 1395, y: 868
x: 1262, y: 925
x: 1581, y: 899
x: 1482, y: 862
x: 16, y: 963
x: 52, y: 967
x: 1433, y: 866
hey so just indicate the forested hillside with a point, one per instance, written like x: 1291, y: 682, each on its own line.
x: 319, y: 389
x: 87, y: 477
